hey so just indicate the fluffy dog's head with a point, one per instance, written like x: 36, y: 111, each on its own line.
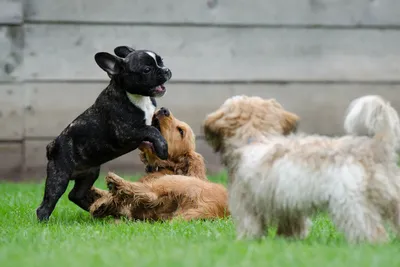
x: 140, y: 72
x: 246, y: 119
x: 182, y: 157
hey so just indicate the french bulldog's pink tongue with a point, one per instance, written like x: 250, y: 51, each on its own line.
x: 160, y: 88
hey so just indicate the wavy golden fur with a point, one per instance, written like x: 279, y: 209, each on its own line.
x: 176, y: 187
x: 182, y: 156
x: 164, y: 198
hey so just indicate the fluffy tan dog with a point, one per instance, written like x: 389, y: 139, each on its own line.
x: 161, y: 195
x: 276, y: 177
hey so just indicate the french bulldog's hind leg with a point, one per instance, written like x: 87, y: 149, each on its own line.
x: 58, y: 176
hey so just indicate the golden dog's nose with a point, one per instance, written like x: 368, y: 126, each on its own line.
x: 164, y: 111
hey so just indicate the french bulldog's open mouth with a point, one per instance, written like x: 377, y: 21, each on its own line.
x: 159, y: 90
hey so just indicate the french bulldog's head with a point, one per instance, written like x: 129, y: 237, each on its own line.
x: 140, y: 72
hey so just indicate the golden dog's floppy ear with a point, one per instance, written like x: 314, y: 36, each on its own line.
x: 196, y: 165
x: 289, y: 122
x: 191, y: 164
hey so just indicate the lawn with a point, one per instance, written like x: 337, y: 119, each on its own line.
x: 73, y: 238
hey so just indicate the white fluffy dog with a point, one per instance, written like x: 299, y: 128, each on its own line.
x: 277, y: 177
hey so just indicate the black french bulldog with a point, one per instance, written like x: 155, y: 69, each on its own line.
x: 117, y: 123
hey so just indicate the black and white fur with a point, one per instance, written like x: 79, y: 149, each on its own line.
x: 117, y: 123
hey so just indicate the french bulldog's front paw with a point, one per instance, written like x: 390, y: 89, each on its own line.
x: 42, y: 214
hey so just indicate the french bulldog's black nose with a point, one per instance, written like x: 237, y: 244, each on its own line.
x: 164, y: 111
x: 168, y: 73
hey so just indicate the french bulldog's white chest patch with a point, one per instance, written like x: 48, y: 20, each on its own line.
x: 145, y: 104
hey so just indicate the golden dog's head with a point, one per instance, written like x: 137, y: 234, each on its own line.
x: 245, y: 118
x: 181, y: 142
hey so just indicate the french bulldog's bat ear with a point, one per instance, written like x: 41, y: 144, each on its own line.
x: 123, y: 51
x: 109, y: 63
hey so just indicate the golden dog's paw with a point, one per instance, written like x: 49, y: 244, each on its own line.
x: 111, y: 187
x: 99, y: 208
x: 99, y: 211
x: 113, y: 181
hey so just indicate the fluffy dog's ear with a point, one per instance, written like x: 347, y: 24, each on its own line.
x: 274, y: 103
x: 123, y: 51
x: 109, y: 63
x: 289, y: 122
x: 212, y: 123
x: 196, y: 165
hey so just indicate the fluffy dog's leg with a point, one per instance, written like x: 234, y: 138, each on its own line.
x: 294, y: 227
x: 58, y: 176
x: 81, y: 194
x: 395, y: 218
x: 358, y: 221
x: 249, y: 224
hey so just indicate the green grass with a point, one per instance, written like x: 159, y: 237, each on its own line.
x: 73, y: 238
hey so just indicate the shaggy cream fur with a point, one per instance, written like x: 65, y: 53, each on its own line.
x: 277, y: 177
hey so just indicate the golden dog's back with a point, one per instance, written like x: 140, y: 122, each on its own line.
x: 207, y: 198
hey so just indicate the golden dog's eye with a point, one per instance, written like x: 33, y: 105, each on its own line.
x: 181, y: 132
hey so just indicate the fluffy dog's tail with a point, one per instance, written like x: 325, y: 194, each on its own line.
x: 373, y: 116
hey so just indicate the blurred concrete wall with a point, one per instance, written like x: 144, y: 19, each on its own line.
x: 313, y: 56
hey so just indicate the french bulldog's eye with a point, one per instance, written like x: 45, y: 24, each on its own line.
x: 181, y: 132
x: 146, y: 70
